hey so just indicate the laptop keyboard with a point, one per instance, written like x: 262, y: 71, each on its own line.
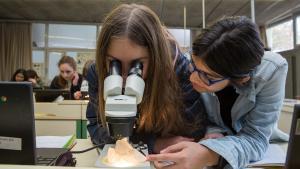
x: 45, y: 161
x: 48, y: 156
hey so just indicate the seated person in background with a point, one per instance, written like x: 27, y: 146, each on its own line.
x: 68, y: 77
x: 85, y: 84
x: 34, y: 78
x: 19, y: 76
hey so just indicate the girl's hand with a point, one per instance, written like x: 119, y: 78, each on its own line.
x: 33, y: 81
x: 77, y: 95
x: 75, y: 79
x: 184, y: 155
x: 162, y: 143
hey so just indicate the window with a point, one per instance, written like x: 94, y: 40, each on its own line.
x: 81, y: 58
x: 182, y: 36
x: 72, y: 36
x: 281, y: 37
x: 38, y: 35
x: 53, y: 70
x: 298, y: 30
x: 52, y: 41
x: 38, y: 62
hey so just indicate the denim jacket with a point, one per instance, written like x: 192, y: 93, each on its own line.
x: 253, y: 114
x: 194, y: 108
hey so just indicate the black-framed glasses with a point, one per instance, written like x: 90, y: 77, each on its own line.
x: 204, y: 76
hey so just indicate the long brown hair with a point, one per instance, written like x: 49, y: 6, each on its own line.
x: 65, y: 60
x: 161, y: 107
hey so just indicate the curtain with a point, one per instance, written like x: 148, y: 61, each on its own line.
x: 15, y: 48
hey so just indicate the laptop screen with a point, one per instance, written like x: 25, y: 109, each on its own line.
x: 17, y: 132
x: 50, y: 95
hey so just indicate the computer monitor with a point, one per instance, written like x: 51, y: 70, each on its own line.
x: 50, y: 95
x: 292, y: 158
x: 17, y: 127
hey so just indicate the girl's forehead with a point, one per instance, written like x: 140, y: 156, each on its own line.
x: 65, y: 66
x: 125, y: 49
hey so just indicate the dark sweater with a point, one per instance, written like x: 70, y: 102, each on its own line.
x: 73, y: 89
x: 227, y: 98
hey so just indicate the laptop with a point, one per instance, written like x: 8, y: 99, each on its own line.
x: 50, y: 95
x: 293, y: 152
x: 17, y: 127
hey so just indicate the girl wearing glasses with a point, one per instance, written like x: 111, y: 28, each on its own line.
x: 171, y: 111
x: 68, y: 77
x: 244, y: 88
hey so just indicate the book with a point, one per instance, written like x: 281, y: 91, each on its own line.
x: 274, y: 157
x: 55, y: 141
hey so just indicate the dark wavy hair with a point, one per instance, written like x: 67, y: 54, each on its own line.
x: 231, y: 47
x: 32, y: 74
x: 23, y: 71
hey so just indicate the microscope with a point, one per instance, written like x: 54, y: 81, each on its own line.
x: 120, y: 113
x: 121, y: 103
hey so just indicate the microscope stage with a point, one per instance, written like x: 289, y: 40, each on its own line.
x: 102, y: 161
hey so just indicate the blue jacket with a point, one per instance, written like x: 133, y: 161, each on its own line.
x: 253, y: 114
x: 194, y: 107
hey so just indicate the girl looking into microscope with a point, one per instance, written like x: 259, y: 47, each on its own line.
x: 170, y: 111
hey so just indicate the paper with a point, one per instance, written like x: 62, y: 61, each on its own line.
x: 54, y: 141
x: 10, y: 143
x: 274, y: 156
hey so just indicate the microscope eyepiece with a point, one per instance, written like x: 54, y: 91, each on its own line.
x: 136, y: 68
x: 115, y: 67
x: 121, y: 107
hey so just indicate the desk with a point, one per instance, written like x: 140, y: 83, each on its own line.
x: 286, y: 115
x: 61, y: 118
x: 84, y: 161
x: 69, y: 117
x: 88, y: 159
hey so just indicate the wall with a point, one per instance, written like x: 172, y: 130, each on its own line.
x: 293, y: 78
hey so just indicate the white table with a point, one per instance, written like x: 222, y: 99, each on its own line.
x: 86, y: 160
